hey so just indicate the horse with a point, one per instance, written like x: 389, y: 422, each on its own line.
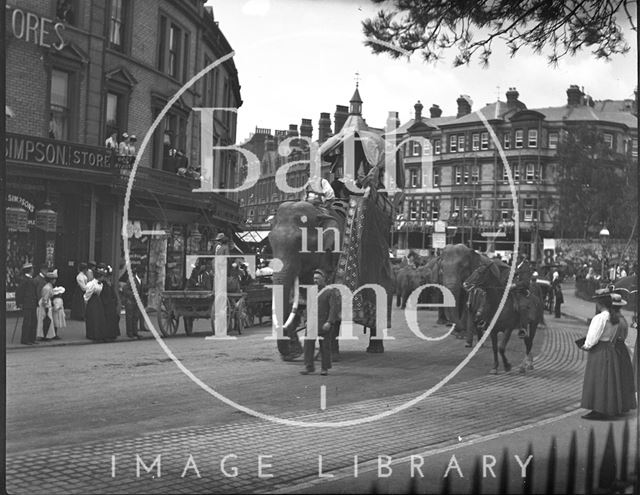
x: 487, y: 286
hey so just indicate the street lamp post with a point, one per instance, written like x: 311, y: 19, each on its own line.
x: 604, y: 241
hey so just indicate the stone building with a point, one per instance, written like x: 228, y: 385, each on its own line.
x: 78, y: 71
x: 471, y: 153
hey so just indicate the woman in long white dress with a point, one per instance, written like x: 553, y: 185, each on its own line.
x: 45, y: 329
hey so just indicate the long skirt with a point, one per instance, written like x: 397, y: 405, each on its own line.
x: 608, y: 380
x: 77, y: 305
x: 44, y: 328
x: 59, y: 318
x: 94, y: 319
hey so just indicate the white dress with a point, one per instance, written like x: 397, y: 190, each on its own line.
x: 44, y: 308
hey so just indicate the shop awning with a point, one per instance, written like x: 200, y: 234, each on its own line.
x: 253, y: 235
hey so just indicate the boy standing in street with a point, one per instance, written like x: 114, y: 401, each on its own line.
x: 328, y: 316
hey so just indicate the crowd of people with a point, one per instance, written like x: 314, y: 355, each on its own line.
x: 95, y: 301
x: 40, y: 299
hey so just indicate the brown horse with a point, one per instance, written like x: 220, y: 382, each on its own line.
x: 487, y: 285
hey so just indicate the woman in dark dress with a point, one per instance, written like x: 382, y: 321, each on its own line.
x: 94, y: 313
x: 608, y: 388
x: 110, y: 306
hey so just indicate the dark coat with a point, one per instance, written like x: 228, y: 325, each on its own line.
x: 39, y: 282
x: 26, y: 294
x: 522, y: 278
x: 329, y: 305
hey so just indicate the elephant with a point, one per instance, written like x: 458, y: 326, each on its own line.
x: 299, y: 261
x: 295, y: 222
x: 409, y: 278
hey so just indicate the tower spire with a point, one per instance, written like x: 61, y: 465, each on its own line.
x: 355, y: 107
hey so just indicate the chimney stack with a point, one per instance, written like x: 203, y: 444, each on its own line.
x: 512, y: 98
x: 306, y: 128
x: 435, y: 111
x: 340, y: 117
x: 464, y: 105
x: 393, y: 122
x: 324, y: 126
x: 418, y: 108
x: 574, y: 95
x: 293, y: 130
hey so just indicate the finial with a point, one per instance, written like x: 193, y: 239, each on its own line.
x: 357, y: 78
x: 498, y: 90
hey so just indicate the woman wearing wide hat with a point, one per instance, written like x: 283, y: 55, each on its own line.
x: 608, y: 388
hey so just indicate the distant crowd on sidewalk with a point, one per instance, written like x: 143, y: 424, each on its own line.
x: 95, y: 301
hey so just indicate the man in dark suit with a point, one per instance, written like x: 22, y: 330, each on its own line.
x: 27, y: 301
x: 328, y: 317
x: 133, y: 317
x: 520, y: 288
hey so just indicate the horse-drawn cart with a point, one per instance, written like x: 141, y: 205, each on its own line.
x: 242, y: 308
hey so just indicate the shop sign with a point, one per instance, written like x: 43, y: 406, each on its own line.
x: 31, y: 149
x: 17, y: 219
x: 36, y: 29
x: 439, y: 240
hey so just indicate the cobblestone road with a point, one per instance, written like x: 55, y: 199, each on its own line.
x: 457, y: 412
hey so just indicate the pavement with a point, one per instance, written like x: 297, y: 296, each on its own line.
x: 74, y: 333
x: 475, y: 419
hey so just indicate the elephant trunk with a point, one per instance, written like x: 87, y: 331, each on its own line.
x: 453, y: 313
x: 286, y: 278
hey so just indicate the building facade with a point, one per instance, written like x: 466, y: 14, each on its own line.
x: 470, y: 160
x: 78, y: 71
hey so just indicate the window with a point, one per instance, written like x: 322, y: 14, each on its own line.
x: 505, y: 176
x: 553, y: 140
x: 484, y: 141
x: 458, y: 173
x: 65, y: 11
x: 113, y: 114
x: 475, y: 142
x: 634, y: 147
x: 505, y: 207
x: 507, y: 140
x: 424, y: 210
x: 530, y: 172
x: 175, y: 36
x: 413, y: 210
x: 532, y: 139
x: 436, y: 176
x: 466, y: 174
x: 475, y: 174
x: 437, y: 146
x: 608, y: 141
x: 59, y: 105
x: 453, y: 141
x: 174, y: 141
x: 413, y: 178
x: 457, y: 202
x: 460, y: 143
x: 417, y: 151
x: 519, y: 137
x: 173, y: 49
x: 117, y: 22
x: 435, y: 211
x: 530, y: 209
x: 516, y: 173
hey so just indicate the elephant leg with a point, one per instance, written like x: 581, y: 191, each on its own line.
x: 375, y: 346
x: 442, y: 318
x: 494, y: 348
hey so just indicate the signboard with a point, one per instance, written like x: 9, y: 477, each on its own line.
x: 439, y: 240
x: 33, y: 28
x: 548, y: 244
x: 493, y: 234
x: 439, y: 226
x: 31, y: 149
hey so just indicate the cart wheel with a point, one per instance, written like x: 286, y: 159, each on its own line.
x: 167, y: 320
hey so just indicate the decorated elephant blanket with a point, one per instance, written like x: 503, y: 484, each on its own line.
x: 365, y: 254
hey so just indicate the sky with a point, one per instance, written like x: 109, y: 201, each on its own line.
x: 297, y: 58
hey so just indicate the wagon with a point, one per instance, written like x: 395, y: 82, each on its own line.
x: 258, y: 302
x: 192, y: 304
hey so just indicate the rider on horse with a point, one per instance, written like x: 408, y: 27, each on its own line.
x: 520, y: 289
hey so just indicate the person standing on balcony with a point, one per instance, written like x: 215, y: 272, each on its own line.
x: 112, y: 142
x: 123, y: 149
x: 132, y: 145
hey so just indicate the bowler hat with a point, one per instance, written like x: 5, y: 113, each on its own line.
x: 221, y: 237
x: 27, y: 266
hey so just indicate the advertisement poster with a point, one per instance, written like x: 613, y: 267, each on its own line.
x: 358, y: 246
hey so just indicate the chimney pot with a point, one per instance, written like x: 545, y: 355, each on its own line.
x: 418, y: 108
x: 324, y: 126
x: 435, y: 111
x: 574, y: 95
x: 464, y: 106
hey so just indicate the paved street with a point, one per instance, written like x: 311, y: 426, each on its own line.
x: 72, y: 408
